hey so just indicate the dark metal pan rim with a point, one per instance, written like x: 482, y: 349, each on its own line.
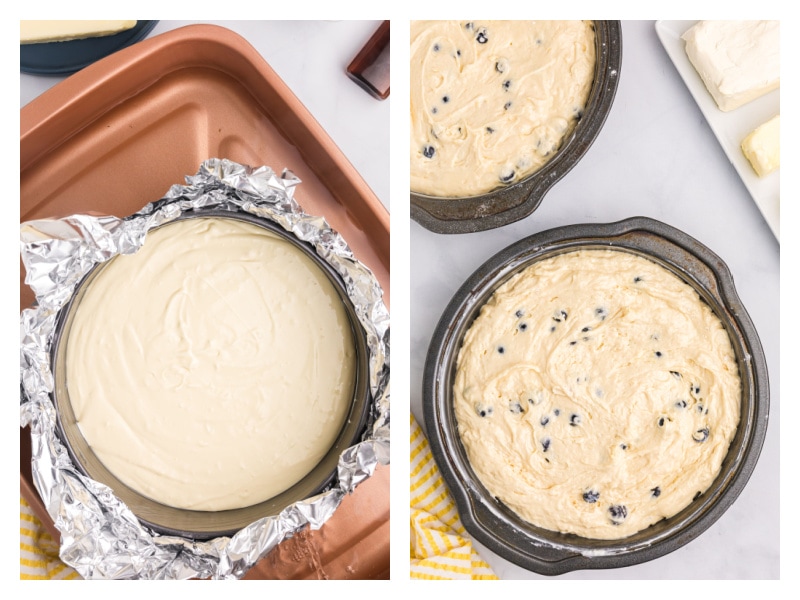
x: 551, y: 553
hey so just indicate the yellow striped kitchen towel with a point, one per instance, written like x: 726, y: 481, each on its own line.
x: 38, y: 551
x: 440, y: 547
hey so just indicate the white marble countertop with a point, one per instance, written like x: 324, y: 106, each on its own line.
x: 311, y: 57
x: 655, y: 157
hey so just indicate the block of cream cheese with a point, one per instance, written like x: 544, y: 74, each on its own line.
x: 35, y: 32
x: 738, y: 61
x: 762, y: 147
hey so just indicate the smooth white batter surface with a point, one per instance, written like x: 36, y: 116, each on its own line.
x: 596, y: 394
x: 214, y: 368
x: 492, y: 101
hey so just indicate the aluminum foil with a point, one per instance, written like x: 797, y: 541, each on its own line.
x: 101, y: 537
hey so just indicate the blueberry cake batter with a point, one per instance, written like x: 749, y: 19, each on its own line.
x: 596, y: 394
x: 492, y: 101
x: 214, y: 368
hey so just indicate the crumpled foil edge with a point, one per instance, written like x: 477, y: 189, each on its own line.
x: 100, y: 537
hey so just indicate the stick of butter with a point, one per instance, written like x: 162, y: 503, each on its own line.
x: 738, y: 61
x: 762, y: 147
x: 35, y: 32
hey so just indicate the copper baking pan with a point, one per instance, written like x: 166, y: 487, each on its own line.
x: 118, y: 134
x: 511, y: 203
x: 548, y: 552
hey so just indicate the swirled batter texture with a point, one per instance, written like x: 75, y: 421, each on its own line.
x: 596, y: 394
x: 214, y: 368
x: 492, y: 101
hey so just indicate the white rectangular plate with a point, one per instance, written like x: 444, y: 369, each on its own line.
x: 730, y: 128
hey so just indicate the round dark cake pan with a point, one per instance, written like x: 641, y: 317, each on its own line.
x: 505, y: 205
x: 551, y: 553
x: 201, y: 525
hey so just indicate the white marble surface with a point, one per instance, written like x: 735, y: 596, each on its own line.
x: 311, y: 57
x: 655, y: 157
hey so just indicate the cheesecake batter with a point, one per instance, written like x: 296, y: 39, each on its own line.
x: 214, y: 368
x: 492, y: 101
x: 596, y: 394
